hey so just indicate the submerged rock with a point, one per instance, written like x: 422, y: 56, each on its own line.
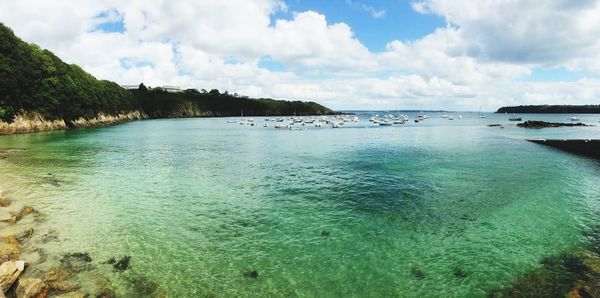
x: 251, y: 274
x: 122, y: 264
x: 25, y: 235
x: 10, y: 249
x: 143, y: 287
x: 9, y: 272
x: 325, y: 233
x: 417, y: 273
x: 33, y: 256
x: 76, y: 262
x: 9, y: 217
x: 56, y: 274
x: 459, y: 273
x: 4, y: 202
x: 72, y: 295
x: 63, y: 285
x: 106, y: 293
x: 28, y: 210
x: 52, y: 235
x: 559, y: 276
x: 31, y: 288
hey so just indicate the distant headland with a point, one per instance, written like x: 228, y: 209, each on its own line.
x: 551, y: 109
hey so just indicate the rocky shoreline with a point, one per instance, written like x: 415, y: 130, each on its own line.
x: 23, y: 263
x: 33, y: 122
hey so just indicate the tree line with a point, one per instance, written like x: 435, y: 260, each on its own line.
x: 35, y: 80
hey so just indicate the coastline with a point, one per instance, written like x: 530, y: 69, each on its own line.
x: 33, y: 122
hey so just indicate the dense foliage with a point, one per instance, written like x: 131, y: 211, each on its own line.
x: 32, y: 79
x: 35, y: 80
x: 552, y: 109
x: 157, y: 103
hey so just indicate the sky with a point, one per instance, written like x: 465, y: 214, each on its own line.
x: 345, y: 54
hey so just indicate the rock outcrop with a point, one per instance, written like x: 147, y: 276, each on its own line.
x: 9, y: 272
x: 544, y: 124
x: 31, y: 288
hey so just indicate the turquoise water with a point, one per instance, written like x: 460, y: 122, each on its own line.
x: 199, y: 202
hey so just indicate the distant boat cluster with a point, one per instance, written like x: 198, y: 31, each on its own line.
x: 298, y: 122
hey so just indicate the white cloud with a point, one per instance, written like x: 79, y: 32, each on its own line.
x: 549, y: 34
x: 478, y: 59
x: 376, y: 13
x: 307, y: 40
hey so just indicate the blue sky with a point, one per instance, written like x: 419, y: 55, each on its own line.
x: 398, y: 21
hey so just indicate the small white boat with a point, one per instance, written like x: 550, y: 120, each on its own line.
x: 385, y: 123
x: 279, y: 126
x: 231, y: 121
x: 444, y: 116
x: 266, y: 125
x: 459, y: 116
x: 514, y: 118
x: 334, y: 125
x: 450, y: 117
x: 573, y: 118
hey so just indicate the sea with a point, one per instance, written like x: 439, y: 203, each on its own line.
x: 207, y: 208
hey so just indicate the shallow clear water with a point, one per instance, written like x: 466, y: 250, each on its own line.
x: 198, y: 202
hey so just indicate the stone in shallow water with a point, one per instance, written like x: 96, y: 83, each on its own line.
x: 63, y: 285
x: 33, y: 256
x: 9, y: 272
x: 417, y: 273
x: 28, y: 210
x: 31, y: 287
x: 558, y: 276
x: 143, y: 287
x: 122, y: 264
x: 25, y: 235
x: 251, y: 274
x: 4, y: 202
x: 76, y: 262
x: 72, y: 295
x: 106, y: 293
x: 56, y: 274
x: 325, y: 233
x: 459, y: 272
x: 10, y: 249
x: 52, y: 235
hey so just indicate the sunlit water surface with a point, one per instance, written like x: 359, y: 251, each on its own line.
x: 199, y: 202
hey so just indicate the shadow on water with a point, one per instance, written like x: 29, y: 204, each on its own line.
x: 421, y: 186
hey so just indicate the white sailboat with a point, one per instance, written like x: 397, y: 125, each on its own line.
x: 481, y: 115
